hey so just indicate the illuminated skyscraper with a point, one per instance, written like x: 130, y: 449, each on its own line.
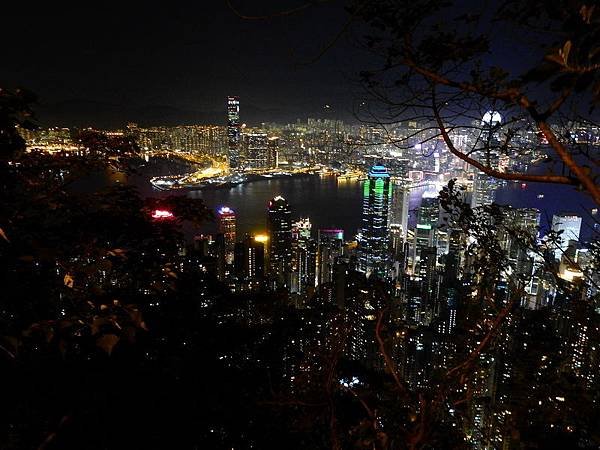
x: 330, y: 247
x: 303, y: 257
x: 256, y: 146
x: 425, y: 230
x: 233, y: 131
x: 226, y: 222
x: 373, y: 238
x: 484, y: 190
x: 570, y: 225
x: 249, y: 262
x: 279, y: 227
x: 399, y: 207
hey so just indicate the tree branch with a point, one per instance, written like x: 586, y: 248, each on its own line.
x: 558, y: 179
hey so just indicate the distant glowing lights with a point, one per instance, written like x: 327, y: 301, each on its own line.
x: 262, y: 238
x: 491, y: 118
x: 162, y: 214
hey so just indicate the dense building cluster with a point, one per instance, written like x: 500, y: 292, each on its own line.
x: 456, y: 272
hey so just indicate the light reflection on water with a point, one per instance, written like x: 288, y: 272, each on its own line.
x: 332, y: 203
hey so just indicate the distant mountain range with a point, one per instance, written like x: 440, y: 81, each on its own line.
x: 90, y: 113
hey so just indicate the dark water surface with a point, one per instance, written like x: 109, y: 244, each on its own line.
x: 332, y: 203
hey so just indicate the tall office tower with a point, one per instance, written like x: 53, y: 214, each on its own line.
x: 303, y: 258
x: 250, y: 262
x: 425, y: 230
x: 523, y: 222
x: 226, y: 222
x: 454, y: 259
x: 429, y: 278
x: 256, y: 151
x: 233, y: 131
x: 399, y: 207
x: 570, y: 225
x: 279, y: 228
x: 396, y: 241
x: 373, y: 238
x: 484, y: 190
x: 330, y: 246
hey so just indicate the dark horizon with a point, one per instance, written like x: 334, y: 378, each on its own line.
x: 105, y: 66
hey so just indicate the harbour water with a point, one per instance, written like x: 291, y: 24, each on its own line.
x: 330, y: 202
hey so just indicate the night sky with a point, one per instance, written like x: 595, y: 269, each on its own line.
x: 107, y: 64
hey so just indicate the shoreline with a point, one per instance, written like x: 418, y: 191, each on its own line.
x: 228, y: 184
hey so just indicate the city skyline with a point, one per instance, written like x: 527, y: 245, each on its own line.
x: 328, y: 225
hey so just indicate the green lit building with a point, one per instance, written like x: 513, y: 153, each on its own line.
x: 373, y: 237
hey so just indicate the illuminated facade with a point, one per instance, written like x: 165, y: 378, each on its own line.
x: 570, y: 226
x: 303, y: 257
x: 233, y: 131
x: 330, y: 246
x: 484, y: 190
x: 373, y: 239
x: 256, y: 151
x: 399, y: 207
x: 250, y: 262
x: 279, y: 228
x: 425, y: 230
x: 226, y: 221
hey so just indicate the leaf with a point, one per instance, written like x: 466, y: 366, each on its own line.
x: 68, y: 280
x: 586, y: 13
x: 107, y: 342
x: 565, y: 51
x: 556, y: 58
x: 117, y: 252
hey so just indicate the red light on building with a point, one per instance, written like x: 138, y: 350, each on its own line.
x: 162, y: 214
